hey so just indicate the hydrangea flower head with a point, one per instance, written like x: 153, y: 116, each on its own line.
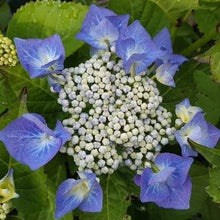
x: 31, y: 142
x: 85, y: 194
x: 41, y: 57
x: 170, y: 187
x: 200, y: 132
x: 168, y: 63
x: 7, y: 187
x: 185, y: 111
x: 101, y: 27
x: 135, y: 46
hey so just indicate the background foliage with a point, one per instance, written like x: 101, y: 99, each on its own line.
x: 195, y: 31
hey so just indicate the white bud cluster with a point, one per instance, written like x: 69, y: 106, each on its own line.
x: 115, y: 118
x: 4, y: 209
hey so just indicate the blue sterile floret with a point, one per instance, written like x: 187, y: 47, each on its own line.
x: 136, y: 48
x: 198, y: 130
x: 170, y: 187
x: 85, y: 194
x: 101, y: 27
x: 185, y: 111
x: 41, y: 57
x: 7, y: 187
x: 31, y: 142
x: 168, y: 63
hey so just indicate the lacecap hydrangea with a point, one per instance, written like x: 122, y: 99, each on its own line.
x: 116, y: 115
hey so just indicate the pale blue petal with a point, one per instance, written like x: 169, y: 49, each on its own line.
x: 94, y: 199
x: 54, y: 83
x: 179, y: 197
x: 181, y: 165
x: 68, y: 197
x: 41, y: 57
x: 99, y: 36
x: 30, y: 141
x: 213, y: 135
x: 162, y: 175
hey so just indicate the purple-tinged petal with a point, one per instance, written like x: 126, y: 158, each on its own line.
x: 95, y: 15
x: 7, y: 187
x: 163, y: 41
x: 69, y: 196
x: 174, y: 59
x: 41, y: 57
x: 137, y: 180
x: 30, y: 141
x: 181, y: 165
x: 61, y: 132
x: 94, y: 199
x: 179, y: 197
x: 119, y: 21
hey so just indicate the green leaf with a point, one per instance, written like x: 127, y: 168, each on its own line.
x: 208, y: 95
x: 114, y: 204
x: 153, y: 18
x: 207, y: 20
x: 133, y: 8
x: 212, y: 56
x: 18, y: 109
x: 39, y: 97
x: 175, y: 9
x: 214, y: 187
x: 42, y: 19
x: 5, y: 15
x: 211, y: 155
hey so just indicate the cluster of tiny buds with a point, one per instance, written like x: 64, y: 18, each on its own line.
x: 115, y: 119
x: 8, y: 53
x: 4, y: 209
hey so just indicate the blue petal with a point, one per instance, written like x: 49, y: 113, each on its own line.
x: 90, y: 177
x: 62, y: 133
x: 162, y: 175
x: 152, y: 192
x: 41, y: 57
x: 179, y: 197
x: 30, y: 141
x: 99, y: 36
x: 94, y: 199
x: 119, y: 21
x: 181, y: 165
x: 95, y: 15
x: 69, y: 196
x: 163, y: 41
x: 174, y: 59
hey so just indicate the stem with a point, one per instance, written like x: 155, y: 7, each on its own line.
x: 154, y: 168
x: 199, y: 43
x: 9, y: 162
x: 132, y: 71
